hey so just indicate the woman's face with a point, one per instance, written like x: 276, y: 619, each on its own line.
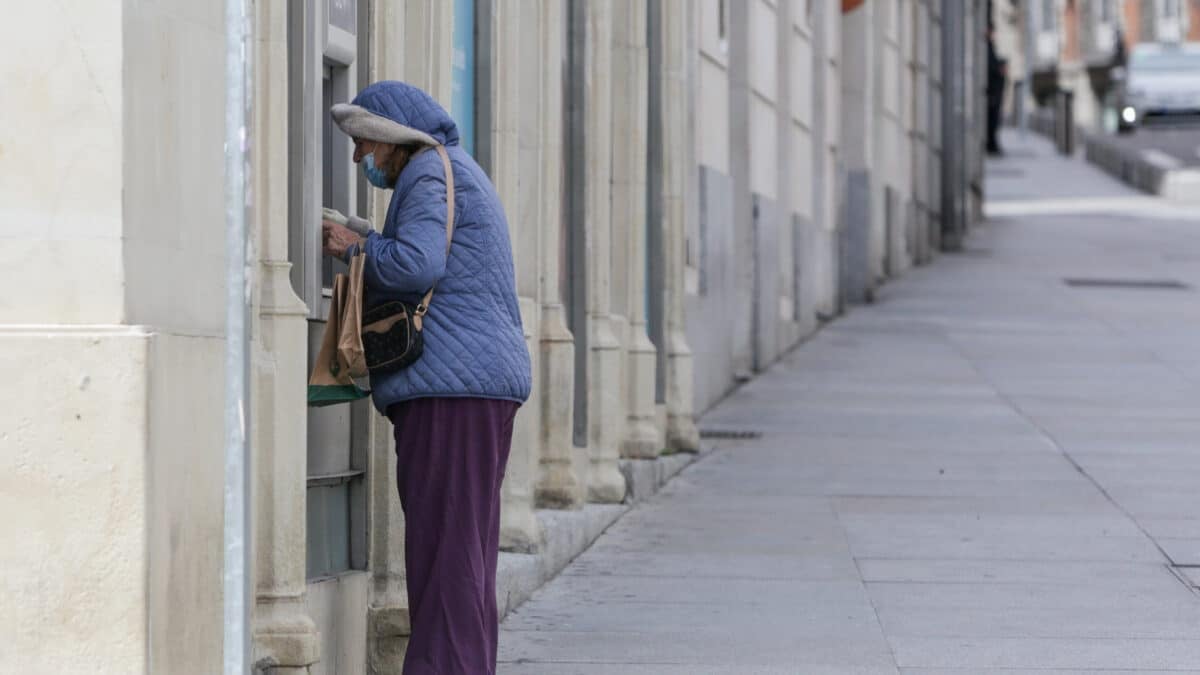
x: 383, y: 151
x: 389, y: 157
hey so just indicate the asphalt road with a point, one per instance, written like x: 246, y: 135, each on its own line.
x: 1180, y: 140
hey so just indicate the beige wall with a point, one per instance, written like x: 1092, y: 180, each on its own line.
x: 112, y: 204
x: 72, y: 488
x: 61, y: 161
x: 184, y: 506
x: 173, y: 144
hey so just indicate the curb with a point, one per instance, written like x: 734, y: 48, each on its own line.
x: 567, y: 534
x: 1148, y: 170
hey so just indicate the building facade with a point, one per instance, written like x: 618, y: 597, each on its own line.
x: 1075, y: 44
x: 693, y: 187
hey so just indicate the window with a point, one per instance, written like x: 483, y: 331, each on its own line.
x: 462, y: 73
x: 1152, y: 60
x: 1049, y: 15
x: 325, y: 56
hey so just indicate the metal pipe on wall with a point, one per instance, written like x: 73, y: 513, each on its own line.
x: 236, y: 568
x: 954, y: 126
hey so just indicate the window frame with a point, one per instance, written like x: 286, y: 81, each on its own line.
x: 325, y: 62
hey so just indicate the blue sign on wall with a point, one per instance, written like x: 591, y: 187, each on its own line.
x: 462, y: 73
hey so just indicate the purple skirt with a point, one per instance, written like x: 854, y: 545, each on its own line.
x: 450, y: 459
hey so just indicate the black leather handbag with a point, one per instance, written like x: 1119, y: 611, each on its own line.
x: 391, y: 331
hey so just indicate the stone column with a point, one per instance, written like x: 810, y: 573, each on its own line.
x: 605, y: 412
x: 742, y: 307
x: 679, y: 185
x: 514, y: 54
x: 825, y: 94
x: 285, y: 637
x: 423, y: 28
x: 561, y: 479
x: 857, y: 113
x: 421, y: 47
x: 642, y: 436
x: 918, y: 51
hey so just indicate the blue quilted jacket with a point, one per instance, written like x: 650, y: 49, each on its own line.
x: 474, y: 342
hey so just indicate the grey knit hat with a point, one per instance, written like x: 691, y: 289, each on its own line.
x: 358, y: 122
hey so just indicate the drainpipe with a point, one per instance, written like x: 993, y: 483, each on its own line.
x: 1029, y: 35
x: 235, y: 573
x: 955, y: 182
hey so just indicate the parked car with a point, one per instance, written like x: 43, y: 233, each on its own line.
x: 1162, y: 81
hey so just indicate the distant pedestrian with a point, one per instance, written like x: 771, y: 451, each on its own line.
x: 997, y: 81
x: 452, y: 409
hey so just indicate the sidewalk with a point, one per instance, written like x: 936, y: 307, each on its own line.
x: 987, y: 471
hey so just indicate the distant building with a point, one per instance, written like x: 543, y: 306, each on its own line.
x: 1074, y: 45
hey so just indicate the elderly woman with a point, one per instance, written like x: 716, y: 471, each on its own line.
x: 452, y: 409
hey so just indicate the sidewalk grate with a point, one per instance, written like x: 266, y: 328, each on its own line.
x: 1004, y: 172
x: 730, y: 434
x: 1145, y: 284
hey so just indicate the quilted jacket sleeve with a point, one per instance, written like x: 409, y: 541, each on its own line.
x: 414, y: 258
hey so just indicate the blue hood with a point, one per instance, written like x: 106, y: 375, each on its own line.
x: 408, y: 106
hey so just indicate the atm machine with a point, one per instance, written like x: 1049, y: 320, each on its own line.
x: 327, y: 54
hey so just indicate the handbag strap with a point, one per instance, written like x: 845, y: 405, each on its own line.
x: 441, y: 150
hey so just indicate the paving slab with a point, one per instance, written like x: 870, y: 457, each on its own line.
x: 1038, y: 623
x: 986, y: 471
x: 1036, y: 671
x: 1070, y: 653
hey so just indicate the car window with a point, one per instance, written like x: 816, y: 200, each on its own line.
x: 1166, y: 61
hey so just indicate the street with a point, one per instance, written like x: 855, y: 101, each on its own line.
x: 1178, y: 140
x: 991, y: 469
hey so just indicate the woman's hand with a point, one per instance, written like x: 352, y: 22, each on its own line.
x: 335, y: 238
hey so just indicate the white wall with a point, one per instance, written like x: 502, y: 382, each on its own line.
x: 763, y: 95
x: 61, y: 161
x: 827, y: 130
x: 892, y: 141
x: 72, y: 433
x: 715, y: 282
x: 184, y: 506
x: 112, y: 218
x: 175, y: 284
x: 174, y: 174
x: 806, y: 154
x: 73, y: 493
x: 713, y: 102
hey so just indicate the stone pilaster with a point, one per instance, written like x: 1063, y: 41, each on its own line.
x: 642, y: 436
x: 285, y: 637
x: 388, y: 625
x: 515, y: 54
x: 679, y: 159
x: 561, y: 482
x: 410, y: 42
x: 605, y: 409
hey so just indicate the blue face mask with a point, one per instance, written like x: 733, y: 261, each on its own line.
x: 375, y: 175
